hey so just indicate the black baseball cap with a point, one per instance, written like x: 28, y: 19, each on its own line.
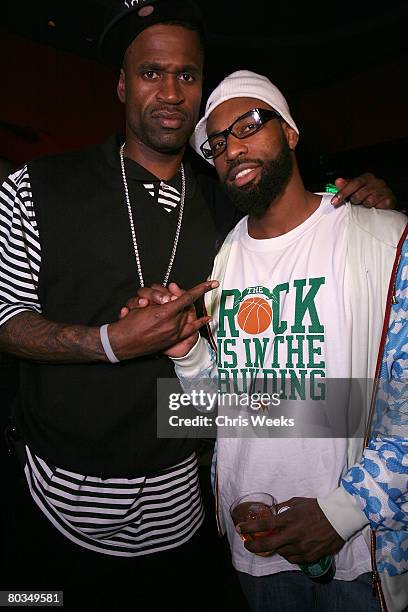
x: 130, y: 17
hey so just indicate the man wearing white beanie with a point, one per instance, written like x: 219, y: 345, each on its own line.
x: 306, y: 290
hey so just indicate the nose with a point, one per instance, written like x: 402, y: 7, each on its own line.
x: 170, y: 90
x: 234, y: 148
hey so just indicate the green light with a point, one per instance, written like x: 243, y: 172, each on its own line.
x: 331, y: 188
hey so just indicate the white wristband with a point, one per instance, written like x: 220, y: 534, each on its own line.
x: 103, y: 331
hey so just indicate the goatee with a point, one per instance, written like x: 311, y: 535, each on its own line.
x: 254, y: 199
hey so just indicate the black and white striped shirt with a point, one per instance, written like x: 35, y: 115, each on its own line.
x: 116, y: 516
x: 119, y: 516
x: 168, y: 196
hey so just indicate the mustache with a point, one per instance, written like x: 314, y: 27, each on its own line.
x: 166, y: 110
x: 238, y: 162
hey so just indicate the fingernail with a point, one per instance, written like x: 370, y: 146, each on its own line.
x: 335, y: 200
x: 165, y: 299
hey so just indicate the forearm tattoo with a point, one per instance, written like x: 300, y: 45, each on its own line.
x: 31, y: 336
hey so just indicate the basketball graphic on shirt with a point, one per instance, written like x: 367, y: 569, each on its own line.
x: 254, y: 315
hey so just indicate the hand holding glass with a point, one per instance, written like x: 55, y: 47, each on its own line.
x: 252, y: 507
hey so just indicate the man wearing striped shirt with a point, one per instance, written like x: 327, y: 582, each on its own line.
x: 80, y: 233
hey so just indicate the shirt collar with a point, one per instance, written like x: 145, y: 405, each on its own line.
x: 137, y: 172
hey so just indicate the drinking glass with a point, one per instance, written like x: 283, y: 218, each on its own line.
x: 251, y: 507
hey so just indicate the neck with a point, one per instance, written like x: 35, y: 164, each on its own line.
x: 162, y: 165
x: 291, y: 208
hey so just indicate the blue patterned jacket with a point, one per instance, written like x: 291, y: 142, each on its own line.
x: 380, y: 482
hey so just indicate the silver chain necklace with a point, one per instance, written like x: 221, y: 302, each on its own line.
x: 132, y: 225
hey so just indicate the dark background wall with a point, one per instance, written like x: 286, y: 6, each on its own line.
x: 343, y: 71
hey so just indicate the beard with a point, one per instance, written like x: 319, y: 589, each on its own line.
x: 254, y: 199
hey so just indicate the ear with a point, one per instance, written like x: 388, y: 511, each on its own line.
x: 291, y: 136
x: 121, y: 88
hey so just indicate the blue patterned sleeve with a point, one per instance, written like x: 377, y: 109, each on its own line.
x: 380, y: 481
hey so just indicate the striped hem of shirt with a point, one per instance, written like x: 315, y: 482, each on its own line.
x: 120, y: 517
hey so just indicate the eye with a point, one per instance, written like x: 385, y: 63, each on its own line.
x: 149, y: 75
x: 217, y: 145
x: 186, y: 77
x: 247, y: 127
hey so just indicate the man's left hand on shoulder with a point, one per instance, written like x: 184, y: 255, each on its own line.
x: 301, y: 534
x: 366, y: 189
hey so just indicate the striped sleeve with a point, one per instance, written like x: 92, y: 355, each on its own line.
x: 20, y: 250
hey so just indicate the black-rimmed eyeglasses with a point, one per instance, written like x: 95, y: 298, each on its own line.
x: 244, y: 126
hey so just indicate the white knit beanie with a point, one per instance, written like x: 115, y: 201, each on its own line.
x: 241, y: 84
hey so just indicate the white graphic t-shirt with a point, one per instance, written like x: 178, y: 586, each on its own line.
x: 284, y: 315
